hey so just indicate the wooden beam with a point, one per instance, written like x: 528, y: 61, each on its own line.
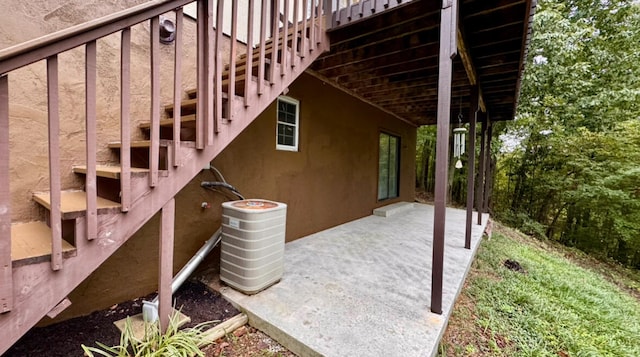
x: 469, y: 67
x: 471, y: 163
x: 154, y: 133
x: 6, y: 278
x: 447, y: 51
x: 165, y: 268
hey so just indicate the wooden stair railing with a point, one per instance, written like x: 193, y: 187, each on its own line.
x: 42, y: 262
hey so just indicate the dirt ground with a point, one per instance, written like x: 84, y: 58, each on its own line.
x: 194, y: 299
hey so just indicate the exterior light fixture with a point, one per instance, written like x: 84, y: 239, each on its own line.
x: 167, y: 30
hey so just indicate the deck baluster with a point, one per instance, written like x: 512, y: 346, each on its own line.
x: 154, y: 134
x: 90, y: 107
x: 249, y: 62
x: 54, y: 162
x: 294, y: 39
x: 6, y: 278
x: 275, y: 25
x: 232, y: 60
x: 125, y: 128
x: 261, y: 50
x: 218, y: 66
x: 177, y: 89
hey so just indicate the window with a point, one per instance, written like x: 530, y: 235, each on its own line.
x: 388, y: 166
x: 287, y: 128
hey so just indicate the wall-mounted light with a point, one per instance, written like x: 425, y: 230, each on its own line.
x: 167, y: 31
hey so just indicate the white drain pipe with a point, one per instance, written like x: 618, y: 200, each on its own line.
x: 150, y: 308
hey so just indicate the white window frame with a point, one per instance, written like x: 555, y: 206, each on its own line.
x: 296, y: 131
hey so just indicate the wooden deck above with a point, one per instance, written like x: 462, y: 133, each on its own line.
x: 391, y: 59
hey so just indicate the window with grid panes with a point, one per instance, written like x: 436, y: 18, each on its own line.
x: 287, y: 126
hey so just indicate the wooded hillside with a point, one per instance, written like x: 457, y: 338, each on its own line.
x: 568, y: 166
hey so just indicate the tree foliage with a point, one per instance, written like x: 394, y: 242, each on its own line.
x: 574, y: 172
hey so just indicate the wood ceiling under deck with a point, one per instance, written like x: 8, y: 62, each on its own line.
x: 391, y: 58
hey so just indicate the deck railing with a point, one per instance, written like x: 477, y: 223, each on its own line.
x: 295, y: 27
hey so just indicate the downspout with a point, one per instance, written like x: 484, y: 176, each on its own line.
x: 150, y: 308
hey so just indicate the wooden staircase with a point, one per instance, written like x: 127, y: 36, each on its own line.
x: 80, y: 229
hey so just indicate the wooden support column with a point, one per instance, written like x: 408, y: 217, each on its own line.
x: 471, y: 163
x: 448, y: 50
x: 165, y: 275
x: 487, y: 169
x: 6, y: 278
x: 480, y: 188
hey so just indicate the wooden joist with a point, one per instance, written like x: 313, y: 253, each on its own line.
x: 31, y: 243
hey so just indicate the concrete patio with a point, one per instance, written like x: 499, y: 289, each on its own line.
x: 363, y: 288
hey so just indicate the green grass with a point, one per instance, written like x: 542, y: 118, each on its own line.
x: 556, y: 308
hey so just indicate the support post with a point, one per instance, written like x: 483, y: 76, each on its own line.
x: 471, y: 163
x: 487, y: 168
x: 448, y: 50
x: 165, y: 275
x: 480, y: 190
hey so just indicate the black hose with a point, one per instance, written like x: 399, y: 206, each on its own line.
x: 212, y: 184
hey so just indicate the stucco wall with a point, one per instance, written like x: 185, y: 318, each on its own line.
x: 28, y: 92
x: 331, y: 180
x: 333, y: 177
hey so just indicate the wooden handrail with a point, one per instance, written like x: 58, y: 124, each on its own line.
x: 43, y: 47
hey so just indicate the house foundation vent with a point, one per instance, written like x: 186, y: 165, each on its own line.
x: 252, y: 250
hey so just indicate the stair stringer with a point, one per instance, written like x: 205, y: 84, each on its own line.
x: 38, y: 289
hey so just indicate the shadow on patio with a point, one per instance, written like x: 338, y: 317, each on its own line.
x: 363, y: 288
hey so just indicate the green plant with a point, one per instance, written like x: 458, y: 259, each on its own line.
x: 174, y: 342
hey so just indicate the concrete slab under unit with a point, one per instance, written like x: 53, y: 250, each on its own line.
x: 394, y: 208
x: 363, y: 288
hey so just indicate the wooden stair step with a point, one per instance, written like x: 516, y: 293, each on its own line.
x: 73, y: 204
x: 191, y: 106
x: 137, y: 144
x: 31, y: 243
x: 112, y: 172
x: 187, y: 121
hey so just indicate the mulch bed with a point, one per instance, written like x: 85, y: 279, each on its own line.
x: 194, y: 299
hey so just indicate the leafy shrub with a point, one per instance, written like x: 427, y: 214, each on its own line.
x: 173, y: 342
